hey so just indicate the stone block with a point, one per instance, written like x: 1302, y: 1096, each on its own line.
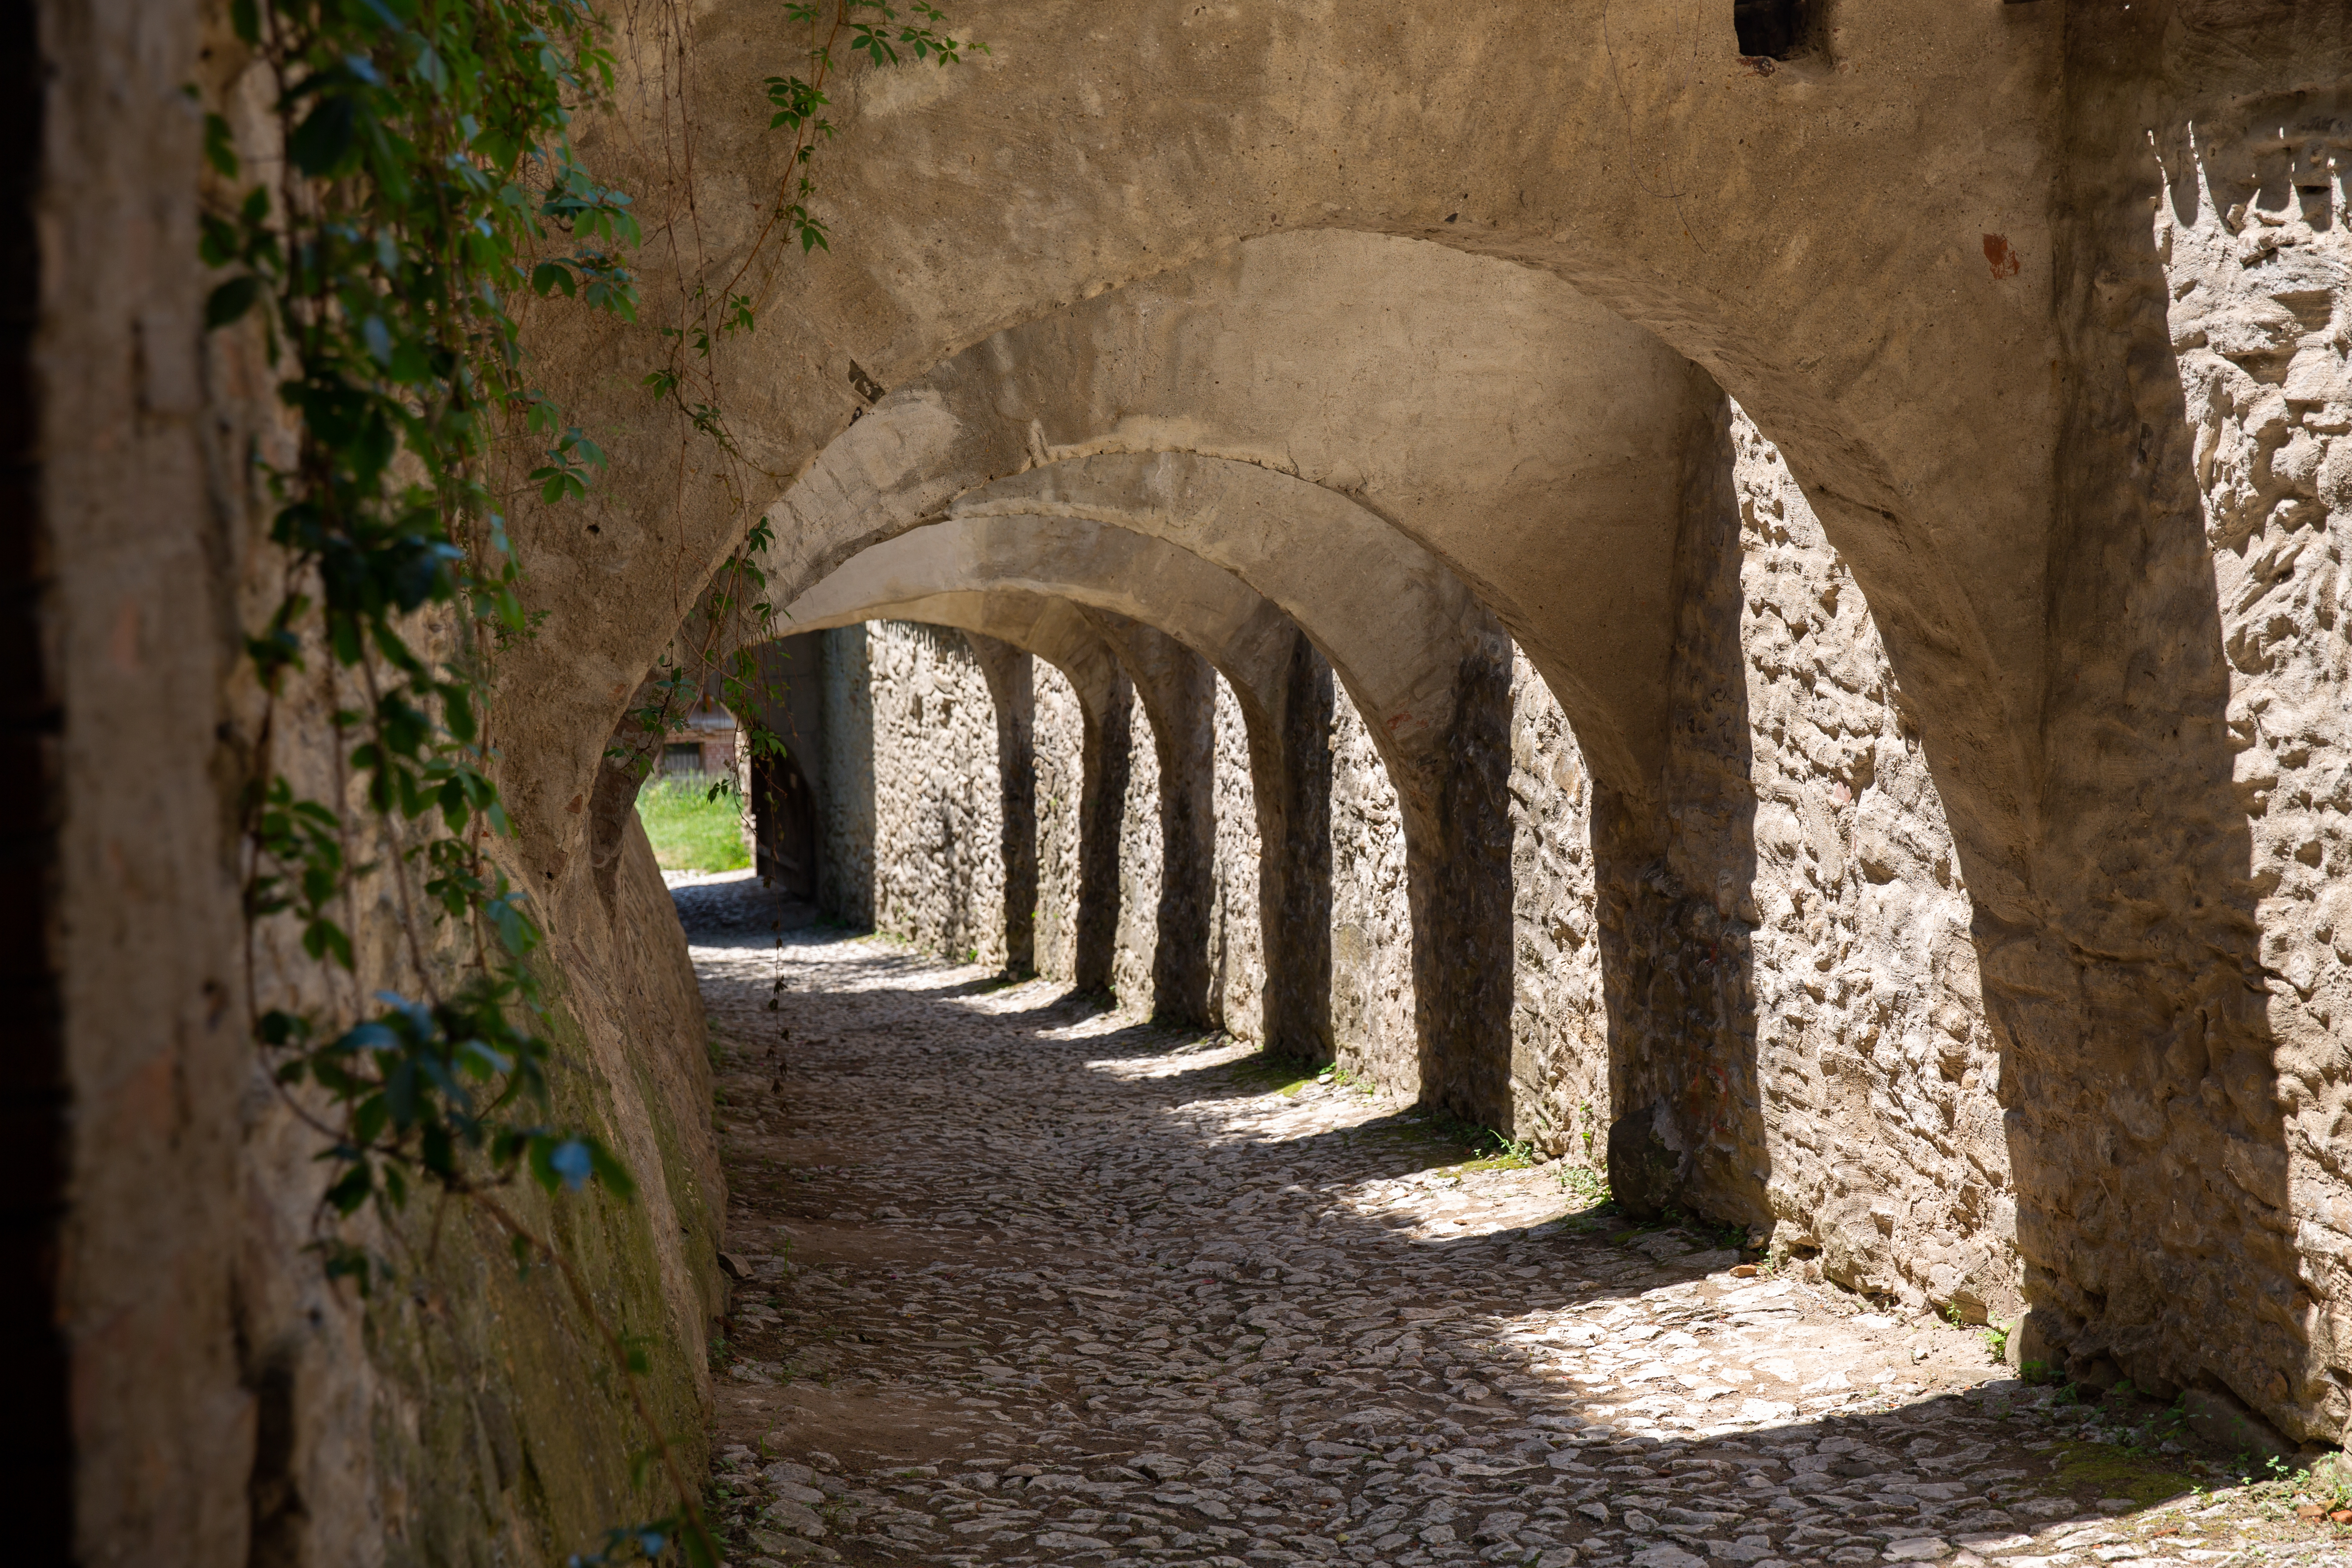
x: 2034, y: 1342
x: 2222, y: 1419
x: 1645, y: 1170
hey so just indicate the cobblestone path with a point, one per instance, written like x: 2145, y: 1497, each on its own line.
x: 1023, y: 1283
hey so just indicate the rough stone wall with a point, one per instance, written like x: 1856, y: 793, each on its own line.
x: 227, y: 1403
x: 2258, y: 261
x: 1060, y: 740
x: 845, y: 863
x: 1236, y: 951
x: 1139, y: 868
x: 939, y: 863
x: 1879, y: 1074
x: 127, y: 1050
x: 1559, y: 1038
x: 1371, y: 935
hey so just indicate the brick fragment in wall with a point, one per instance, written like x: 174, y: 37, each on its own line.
x: 1236, y: 951
x: 939, y: 866
x: 1559, y: 1027
x: 1060, y: 731
x: 1372, y: 933
x: 1139, y: 867
x: 1877, y: 1073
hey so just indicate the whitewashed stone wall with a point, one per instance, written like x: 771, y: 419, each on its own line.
x: 1236, y: 945
x: 1139, y: 868
x: 1559, y: 1028
x: 1879, y: 1074
x: 1371, y: 922
x: 1058, y: 739
x: 939, y: 865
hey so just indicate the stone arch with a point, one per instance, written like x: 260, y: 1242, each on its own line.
x: 1134, y: 589
x: 1716, y: 216
x: 1973, y: 423
x: 1560, y: 521
x: 1432, y: 662
x: 1557, y: 455
x: 1056, y: 631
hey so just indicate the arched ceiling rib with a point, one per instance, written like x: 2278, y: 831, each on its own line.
x: 1489, y: 424
x: 1739, y: 217
x: 1400, y: 666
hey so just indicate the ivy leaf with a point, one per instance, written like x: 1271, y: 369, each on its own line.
x: 554, y: 484
x: 326, y: 138
x: 231, y: 301
x: 572, y: 1163
x: 220, y: 148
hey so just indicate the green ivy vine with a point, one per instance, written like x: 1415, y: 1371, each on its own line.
x: 420, y: 185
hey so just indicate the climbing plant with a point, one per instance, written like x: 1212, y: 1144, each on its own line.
x: 734, y: 616
x: 419, y: 186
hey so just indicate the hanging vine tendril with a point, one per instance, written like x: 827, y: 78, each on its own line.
x: 422, y: 182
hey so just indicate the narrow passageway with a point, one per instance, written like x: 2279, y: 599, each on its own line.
x: 1020, y: 1281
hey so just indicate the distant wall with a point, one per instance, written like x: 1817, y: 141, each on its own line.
x: 939, y: 866
x: 1371, y: 935
x: 1060, y: 736
x: 1236, y: 948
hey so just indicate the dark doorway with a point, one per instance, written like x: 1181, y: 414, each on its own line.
x: 783, y: 816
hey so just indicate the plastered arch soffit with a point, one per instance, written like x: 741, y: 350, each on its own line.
x: 1050, y: 628
x: 1495, y: 428
x: 1395, y: 651
x: 1656, y: 173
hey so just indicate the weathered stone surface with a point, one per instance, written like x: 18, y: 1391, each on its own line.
x: 938, y: 862
x: 1371, y: 937
x: 1646, y: 1173
x: 1059, y: 741
x: 1106, y: 1302
x: 2222, y: 1419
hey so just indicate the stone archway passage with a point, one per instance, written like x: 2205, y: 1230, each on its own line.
x: 1413, y: 647
x: 1024, y: 1283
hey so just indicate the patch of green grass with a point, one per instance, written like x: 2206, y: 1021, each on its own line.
x: 1507, y: 1154
x: 1266, y: 1071
x: 1483, y: 1148
x: 1583, y: 1182
x: 692, y: 831
x: 2110, y: 1471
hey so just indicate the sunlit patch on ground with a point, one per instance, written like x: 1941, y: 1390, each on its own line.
x: 1025, y: 1281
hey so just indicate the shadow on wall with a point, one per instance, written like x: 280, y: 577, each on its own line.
x: 2141, y: 1070
x: 1676, y: 958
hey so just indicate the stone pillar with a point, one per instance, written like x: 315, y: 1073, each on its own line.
x: 1101, y: 803
x: 1012, y: 686
x: 1292, y: 760
x: 1178, y: 691
x: 1677, y: 881
x: 1458, y: 874
x: 846, y: 853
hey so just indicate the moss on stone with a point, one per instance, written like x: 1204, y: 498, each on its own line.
x: 2104, y: 1471
x: 503, y: 1430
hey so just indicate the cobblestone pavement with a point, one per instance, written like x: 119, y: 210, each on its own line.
x: 1025, y: 1283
